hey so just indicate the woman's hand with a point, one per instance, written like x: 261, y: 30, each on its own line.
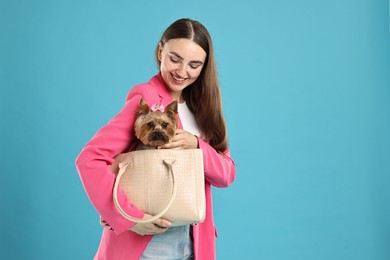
x: 182, y: 140
x: 155, y: 227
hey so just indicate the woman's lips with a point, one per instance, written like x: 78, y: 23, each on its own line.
x: 178, y: 80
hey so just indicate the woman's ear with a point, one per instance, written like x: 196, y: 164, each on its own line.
x: 159, y: 53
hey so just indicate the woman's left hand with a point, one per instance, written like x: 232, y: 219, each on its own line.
x: 182, y: 140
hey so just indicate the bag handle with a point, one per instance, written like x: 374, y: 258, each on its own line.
x: 122, y: 168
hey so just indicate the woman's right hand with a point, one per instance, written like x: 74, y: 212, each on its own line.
x: 157, y: 226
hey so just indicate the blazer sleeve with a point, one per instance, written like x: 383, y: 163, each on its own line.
x: 95, y: 159
x: 220, y: 169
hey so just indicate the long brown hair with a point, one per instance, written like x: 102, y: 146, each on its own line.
x: 203, y: 97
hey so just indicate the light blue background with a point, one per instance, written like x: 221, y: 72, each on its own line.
x: 306, y: 96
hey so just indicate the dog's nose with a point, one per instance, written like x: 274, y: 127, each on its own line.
x: 159, y: 136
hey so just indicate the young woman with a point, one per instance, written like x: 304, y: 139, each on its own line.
x: 187, y: 74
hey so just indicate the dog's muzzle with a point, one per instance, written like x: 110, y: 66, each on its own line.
x: 158, y: 136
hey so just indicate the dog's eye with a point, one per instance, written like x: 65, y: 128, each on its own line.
x: 164, y: 125
x: 150, y: 125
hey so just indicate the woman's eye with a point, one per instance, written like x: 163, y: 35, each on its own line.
x: 150, y: 125
x: 174, y: 60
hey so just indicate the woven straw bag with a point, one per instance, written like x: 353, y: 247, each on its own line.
x: 166, y: 183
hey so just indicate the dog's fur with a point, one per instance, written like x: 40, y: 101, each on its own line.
x: 155, y: 128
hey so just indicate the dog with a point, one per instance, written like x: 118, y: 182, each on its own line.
x: 155, y: 125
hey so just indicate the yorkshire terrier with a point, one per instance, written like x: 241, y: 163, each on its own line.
x: 155, y: 125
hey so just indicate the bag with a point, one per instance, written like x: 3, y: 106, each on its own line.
x: 166, y: 183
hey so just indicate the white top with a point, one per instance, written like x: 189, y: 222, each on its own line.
x: 188, y: 120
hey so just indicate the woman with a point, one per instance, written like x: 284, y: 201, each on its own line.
x: 187, y: 74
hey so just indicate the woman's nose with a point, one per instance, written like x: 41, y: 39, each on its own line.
x: 181, y: 70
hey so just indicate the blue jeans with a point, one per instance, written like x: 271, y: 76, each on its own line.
x: 175, y: 243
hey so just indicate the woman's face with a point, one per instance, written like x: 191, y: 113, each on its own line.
x: 182, y: 61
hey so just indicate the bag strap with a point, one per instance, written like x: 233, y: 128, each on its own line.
x: 122, y: 168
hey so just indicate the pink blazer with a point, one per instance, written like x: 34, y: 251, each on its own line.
x: 93, y: 165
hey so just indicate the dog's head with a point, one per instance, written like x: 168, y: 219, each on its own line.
x: 156, y: 125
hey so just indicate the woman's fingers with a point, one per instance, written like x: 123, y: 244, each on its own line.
x: 156, y: 227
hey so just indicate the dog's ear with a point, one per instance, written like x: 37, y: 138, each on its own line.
x: 172, y: 110
x: 172, y: 107
x: 143, y: 108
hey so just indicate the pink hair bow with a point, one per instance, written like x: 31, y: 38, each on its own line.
x: 155, y: 107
